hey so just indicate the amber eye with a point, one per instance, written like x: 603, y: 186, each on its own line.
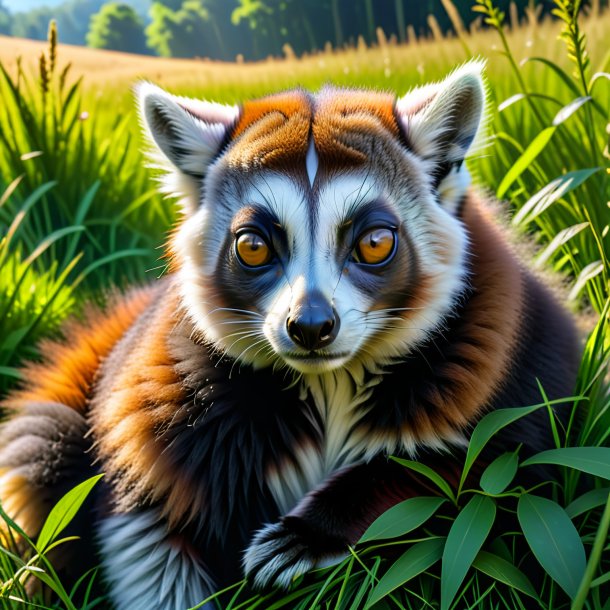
x: 252, y: 250
x: 375, y: 246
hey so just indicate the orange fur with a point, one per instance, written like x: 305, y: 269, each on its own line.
x: 69, y: 368
x: 272, y: 132
x: 139, y: 398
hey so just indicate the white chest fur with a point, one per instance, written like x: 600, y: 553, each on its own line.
x: 337, y: 398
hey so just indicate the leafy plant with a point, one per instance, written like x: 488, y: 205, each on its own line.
x: 17, y: 568
x: 34, y: 297
x: 102, y: 185
x: 559, y: 182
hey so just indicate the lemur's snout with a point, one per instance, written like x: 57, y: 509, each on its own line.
x: 313, y: 322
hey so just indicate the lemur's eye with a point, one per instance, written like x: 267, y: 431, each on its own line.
x: 252, y: 250
x: 375, y: 246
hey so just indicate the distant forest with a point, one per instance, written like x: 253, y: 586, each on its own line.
x: 224, y: 29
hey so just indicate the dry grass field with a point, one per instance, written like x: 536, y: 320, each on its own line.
x: 110, y: 74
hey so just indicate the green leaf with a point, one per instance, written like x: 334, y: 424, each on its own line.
x: 558, y: 70
x: 567, y: 111
x: 55, y: 586
x: 50, y: 240
x: 535, y: 147
x: 593, y: 460
x: 499, y: 474
x: 491, y: 424
x: 553, y: 540
x: 63, y: 512
x: 110, y: 258
x: 587, y: 273
x: 553, y: 191
x: 402, y: 518
x: 9, y: 371
x: 504, y: 571
x: 414, y: 561
x: 466, y: 536
x: 588, y: 501
x: 429, y: 474
x: 560, y: 239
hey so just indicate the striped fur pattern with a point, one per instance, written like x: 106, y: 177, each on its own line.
x: 232, y: 442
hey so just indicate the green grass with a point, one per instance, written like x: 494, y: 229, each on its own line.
x: 83, y: 216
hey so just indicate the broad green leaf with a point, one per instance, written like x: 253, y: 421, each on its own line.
x: 553, y: 191
x: 466, y: 537
x: 561, y: 238
x: 416, y: 560
x: 402, y: 518
x: 587, y: 273
x: 567, y: 111
x: 64, y: 511
x: 554, y: 540
x: 499, y: 474
x: 429, y: 474
x: 535, y: 147
x: 13, y: 339
x: 491, y: 424
x: 593, y: 460
x: 589, y: 500
x: 504, y: 571
x: 9, y: 371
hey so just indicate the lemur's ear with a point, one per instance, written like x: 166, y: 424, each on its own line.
x: 186, y: 132
x: 440, y: 121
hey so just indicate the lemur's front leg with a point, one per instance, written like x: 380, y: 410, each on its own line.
x: 329, y: 519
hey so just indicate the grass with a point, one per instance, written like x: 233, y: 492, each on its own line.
x: 84, y: 215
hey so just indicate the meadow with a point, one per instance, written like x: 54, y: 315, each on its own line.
x: 79, y: 216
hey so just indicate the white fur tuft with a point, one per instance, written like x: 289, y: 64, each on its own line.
x: 442, y: 121
x: 146, y: 571
x: 184, y: 135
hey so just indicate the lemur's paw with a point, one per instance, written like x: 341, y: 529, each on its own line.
x: 282, y: 551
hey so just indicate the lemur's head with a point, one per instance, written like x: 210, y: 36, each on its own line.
x: 319, y: 230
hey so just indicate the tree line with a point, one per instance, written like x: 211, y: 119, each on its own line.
x: 223, y: 29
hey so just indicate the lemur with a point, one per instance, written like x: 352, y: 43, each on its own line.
x: 337, y: 294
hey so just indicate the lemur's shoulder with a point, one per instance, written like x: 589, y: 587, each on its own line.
x: 48, y: 408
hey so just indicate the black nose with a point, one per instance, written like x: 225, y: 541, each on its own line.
x: 313, y: 324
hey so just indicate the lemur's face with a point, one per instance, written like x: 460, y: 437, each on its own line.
x: 321, y: 230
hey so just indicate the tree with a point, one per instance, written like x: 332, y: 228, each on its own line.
x: 117, y: 27
x: 183, y: 33
x: 5, y: 20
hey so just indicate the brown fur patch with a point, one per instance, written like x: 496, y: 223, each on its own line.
x: 137, y: 399
x: 22, y: 502
x: 450, y: 380
x: 487, y: 334
x: 346, y: 117
x: 69, y: 367
x: 272, y: 132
